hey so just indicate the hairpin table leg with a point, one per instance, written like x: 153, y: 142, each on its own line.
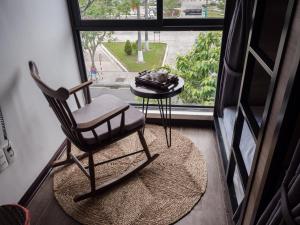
x: 165, y: 115
x: 145, y: 110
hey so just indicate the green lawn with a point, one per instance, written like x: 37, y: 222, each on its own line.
x: 152, y: 58
x: 214, y: 14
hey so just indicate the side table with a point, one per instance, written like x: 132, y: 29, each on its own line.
x: 163, y: 100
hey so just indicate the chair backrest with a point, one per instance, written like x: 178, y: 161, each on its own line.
x: 58, y: 102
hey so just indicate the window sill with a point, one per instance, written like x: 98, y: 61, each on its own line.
x: 204, y: 115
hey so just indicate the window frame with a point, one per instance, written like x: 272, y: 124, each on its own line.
x: 158, y: 24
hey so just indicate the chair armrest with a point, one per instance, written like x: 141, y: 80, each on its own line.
x: 80, y: 86
x: 102, y: 119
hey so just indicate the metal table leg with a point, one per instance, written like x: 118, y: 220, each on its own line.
x: 165, y: 115
x: 145, y: 108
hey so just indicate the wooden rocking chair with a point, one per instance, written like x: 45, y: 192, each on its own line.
x: 105, y: 120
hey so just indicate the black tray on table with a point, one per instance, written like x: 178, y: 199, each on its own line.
x: 171, y: 81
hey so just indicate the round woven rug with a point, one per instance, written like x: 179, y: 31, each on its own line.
x: 161, y: 193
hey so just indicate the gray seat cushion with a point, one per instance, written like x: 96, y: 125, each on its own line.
x: 101, y: 105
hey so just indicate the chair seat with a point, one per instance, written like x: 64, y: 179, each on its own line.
x: 101, y: 105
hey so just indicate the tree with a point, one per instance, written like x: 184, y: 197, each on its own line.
x: 136, y: 4
x: 91, y: 9
x: 146, y: 32
x: 84, y: 5
x: 91, y: 40
x: 170, y: 6
x: 124, y: 7
x: 199, y: 69
x: 95, y: 9
x: 221, y: 5
x: 128, y: 48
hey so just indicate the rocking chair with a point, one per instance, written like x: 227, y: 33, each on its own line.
x: 104, y: 121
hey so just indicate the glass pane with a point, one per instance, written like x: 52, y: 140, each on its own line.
x: 247, y: 146
x: 259, y: 87
x: 270, y: 21
x: 238, y: 187
x: 193, y: 8
x: 112, y: 66
x: 117, y: 9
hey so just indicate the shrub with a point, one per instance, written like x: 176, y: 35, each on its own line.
x: 128, y: 48
x: 134, y: 46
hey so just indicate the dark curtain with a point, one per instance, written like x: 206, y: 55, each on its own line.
x: 234, y: 55
x: 284, y: 207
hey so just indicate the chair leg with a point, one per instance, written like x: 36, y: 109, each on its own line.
x: 144, y: 144
x: 116, y: 180
x: 68, y: 160
x: 92, y: 172
x: 68, y: 149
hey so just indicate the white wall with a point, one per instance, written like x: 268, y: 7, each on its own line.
x: 36, y: 30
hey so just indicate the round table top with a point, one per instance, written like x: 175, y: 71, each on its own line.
x: 149, y: 92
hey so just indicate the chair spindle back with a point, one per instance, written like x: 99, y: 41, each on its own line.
x: 58, y: 102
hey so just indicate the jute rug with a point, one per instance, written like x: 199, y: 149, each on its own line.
x: 161, y: 193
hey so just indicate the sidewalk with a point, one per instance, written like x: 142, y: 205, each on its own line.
x: 110, y: 73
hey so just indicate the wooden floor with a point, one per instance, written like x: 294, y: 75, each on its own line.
x: 212, y: 209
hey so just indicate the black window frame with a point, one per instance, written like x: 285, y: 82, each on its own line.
x: 158, y: 24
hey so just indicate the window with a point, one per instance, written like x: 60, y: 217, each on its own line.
x: 147, y: 9
x: 113, y: 69
x: 193, y: 9
x: 121, y: 9
x: 116, y: 39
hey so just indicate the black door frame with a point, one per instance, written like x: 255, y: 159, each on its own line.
x: 258, y: 133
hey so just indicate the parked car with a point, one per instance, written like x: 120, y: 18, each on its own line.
x: 192, y: 11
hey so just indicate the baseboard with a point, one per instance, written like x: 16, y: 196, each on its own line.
x: 184, y: 123
x: 34, y: 187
